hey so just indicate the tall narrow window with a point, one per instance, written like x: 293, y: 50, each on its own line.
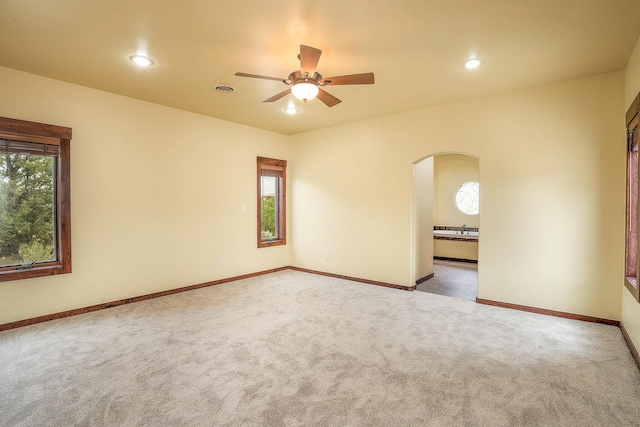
x: 35, y: 233
x: 631, y: 252
x: 272, y: 175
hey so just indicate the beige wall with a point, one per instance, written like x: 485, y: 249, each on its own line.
x: 552, y: 181
x: 631, y: 308
x: 450, y: 171
x: 160, y: 216
x: 423, y: 197
x: 632, y: 77
x: 156, y: 196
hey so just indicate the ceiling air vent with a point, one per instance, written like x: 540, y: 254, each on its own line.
x: 224, y: 88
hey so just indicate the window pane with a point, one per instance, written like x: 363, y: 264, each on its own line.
x: 27, y: 209
x: 269, y: 195
x: 468, y: 198
x: 632, y: 215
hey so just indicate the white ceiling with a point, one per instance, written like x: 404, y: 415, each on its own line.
x: 416, y: 48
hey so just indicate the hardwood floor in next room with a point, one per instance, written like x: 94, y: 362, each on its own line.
x: 452, y: 278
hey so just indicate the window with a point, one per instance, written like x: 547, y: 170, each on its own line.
x: 631, y: 243
x: 35, y: 212
x: 468, y: 198
x: 272, y: 175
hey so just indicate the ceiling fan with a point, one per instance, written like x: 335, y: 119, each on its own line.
x: 307, y: 83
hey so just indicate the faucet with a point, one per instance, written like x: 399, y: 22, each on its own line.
x: 463, y: 226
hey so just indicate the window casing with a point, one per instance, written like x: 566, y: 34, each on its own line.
x: 631, y: 238
x: 28, y: 141
x: 272, y: 175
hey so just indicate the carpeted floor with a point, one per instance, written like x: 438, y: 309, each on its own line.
x: 294, y: 349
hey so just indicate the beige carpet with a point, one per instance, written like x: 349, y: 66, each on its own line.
x: 294, y: 349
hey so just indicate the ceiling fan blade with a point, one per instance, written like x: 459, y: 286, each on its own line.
x: 328, y: 99
x: 351, y: 79
x: 309, y: 57
x: 256, y: 76
x: 278, y: 96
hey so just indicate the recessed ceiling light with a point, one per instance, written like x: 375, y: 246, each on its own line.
x: 472, y: 63
x: 140, y: 60
x: 291, y: 110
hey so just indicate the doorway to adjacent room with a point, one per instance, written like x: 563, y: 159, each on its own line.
x: 446, y: 224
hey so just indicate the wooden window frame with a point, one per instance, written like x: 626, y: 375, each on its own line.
x: 266, y: 164
x: 632, y: 261
x: 39, y: 133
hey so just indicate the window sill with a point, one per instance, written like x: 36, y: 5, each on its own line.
x: 269, y: 243
x: 51, y: 269
x: 632, y: 285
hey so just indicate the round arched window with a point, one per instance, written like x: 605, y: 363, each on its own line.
x: 468, y: 198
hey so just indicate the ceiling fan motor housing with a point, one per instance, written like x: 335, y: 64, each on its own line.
x: 297, y: 76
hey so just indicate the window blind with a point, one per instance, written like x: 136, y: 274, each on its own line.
x: 268, y: 171
x: 24, y: 147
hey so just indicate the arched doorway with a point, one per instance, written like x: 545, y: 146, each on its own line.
x: 446, y: 224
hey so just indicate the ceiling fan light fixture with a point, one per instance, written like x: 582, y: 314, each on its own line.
x: 305, y: 90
